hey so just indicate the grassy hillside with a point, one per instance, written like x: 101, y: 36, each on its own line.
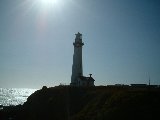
x: 94, y: 103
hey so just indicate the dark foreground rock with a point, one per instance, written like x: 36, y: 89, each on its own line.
x: 95, y: 103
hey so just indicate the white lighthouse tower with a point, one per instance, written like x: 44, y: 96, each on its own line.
x: 77, y: 68
x: 77, y: 78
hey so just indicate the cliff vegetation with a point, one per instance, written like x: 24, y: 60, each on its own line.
x: 92, y: 103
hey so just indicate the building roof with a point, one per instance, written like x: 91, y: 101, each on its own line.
x: 83, y: 78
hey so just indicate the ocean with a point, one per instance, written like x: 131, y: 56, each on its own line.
x: 14, y: 96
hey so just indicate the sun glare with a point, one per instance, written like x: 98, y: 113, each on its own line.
x: 48, y: 2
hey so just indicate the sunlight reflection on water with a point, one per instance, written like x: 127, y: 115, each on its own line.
x: 14, y: 96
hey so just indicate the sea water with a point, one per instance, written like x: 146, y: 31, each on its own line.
x: 14, y: 96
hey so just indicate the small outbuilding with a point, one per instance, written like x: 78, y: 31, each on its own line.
x: 85, y: 81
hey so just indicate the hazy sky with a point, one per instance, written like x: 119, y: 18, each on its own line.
x: 121, y: 37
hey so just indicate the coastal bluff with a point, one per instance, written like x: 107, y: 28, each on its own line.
x: 87, y: 103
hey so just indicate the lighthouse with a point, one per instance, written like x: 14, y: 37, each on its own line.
x: 77, y: 67
x: 77, y: 78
